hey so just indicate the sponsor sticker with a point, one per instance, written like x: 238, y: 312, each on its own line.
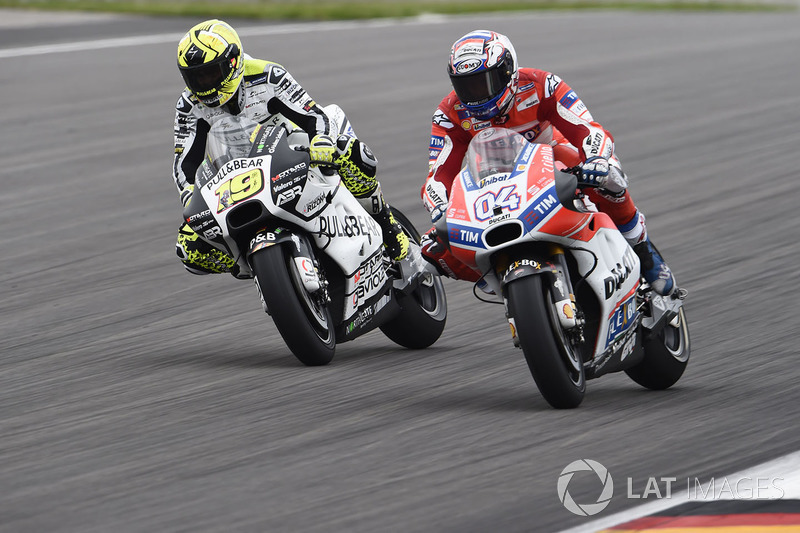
x: 569, y: 99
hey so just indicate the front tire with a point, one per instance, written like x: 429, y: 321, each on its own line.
x: 304, y: 323
x: 424, y: 311
x: 556, y: 367
x: 665, y: 356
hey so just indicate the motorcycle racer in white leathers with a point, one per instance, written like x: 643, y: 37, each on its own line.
x: 221, y: 79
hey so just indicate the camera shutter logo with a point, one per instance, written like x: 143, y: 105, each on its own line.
x: 585, y: 465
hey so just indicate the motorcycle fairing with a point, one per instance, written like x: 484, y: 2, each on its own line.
x: 608, y: 265
x: 604, y: 259
x: 378, y: 310
x: 626, y: 351
x: 367, y: 281
x: 474, y: 210
x: 623, y: 317
x: 200, y: 218
x: 305, y: 198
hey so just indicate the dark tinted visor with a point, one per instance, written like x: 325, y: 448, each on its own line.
x: 473, y: 89
x: 203, y: 78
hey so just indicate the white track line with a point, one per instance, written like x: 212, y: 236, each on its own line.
x: 243, y: 32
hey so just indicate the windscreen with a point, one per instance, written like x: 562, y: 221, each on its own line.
x: 230, y: 137
x: 493, y: 151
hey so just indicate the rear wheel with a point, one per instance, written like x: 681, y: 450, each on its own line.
x: 555, y: 365
x: 302, y: 319
x: 424, y: 311
x: 665, y: 356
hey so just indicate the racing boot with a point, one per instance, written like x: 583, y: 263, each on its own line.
x: 394, y: 238
x: 358, y: 169
x: 654, y: 268
x: 198, y: 256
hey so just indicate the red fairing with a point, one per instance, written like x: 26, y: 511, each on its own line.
x: 578, y: 226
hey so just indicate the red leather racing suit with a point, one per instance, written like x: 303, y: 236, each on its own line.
x: 545, y: 110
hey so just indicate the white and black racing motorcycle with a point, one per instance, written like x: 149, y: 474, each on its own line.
x: 316, y: 255
x: 571, y: 285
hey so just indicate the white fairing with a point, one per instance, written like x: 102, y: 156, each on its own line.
x: 327, y: 211
x: 614, y: 281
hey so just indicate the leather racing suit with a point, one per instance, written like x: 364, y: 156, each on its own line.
x: 546, y: 110
x: 268, y: 88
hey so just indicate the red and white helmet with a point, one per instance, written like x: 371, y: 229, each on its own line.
x: 484, y: 72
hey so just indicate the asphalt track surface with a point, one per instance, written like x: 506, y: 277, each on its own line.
x: 136, y: 397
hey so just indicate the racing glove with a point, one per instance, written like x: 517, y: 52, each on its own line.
x: 437, y: 212
x: 186, y: 195
x: 322, y: 150
x: 431, y: 244
x: 594, y: 172
x: 434, y: 198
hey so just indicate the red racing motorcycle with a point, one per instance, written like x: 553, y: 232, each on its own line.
x: 571, y: 286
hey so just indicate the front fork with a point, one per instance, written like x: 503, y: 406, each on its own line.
x: 553, y: 263
x: 303, y: 259
x: 565, y: 295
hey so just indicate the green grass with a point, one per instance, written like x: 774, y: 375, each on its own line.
x: 342, y: 10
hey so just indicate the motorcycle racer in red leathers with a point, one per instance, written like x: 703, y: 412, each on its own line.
x: 491, y: 90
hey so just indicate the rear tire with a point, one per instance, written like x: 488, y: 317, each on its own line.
x: 423, y: 312
x: 305, y: 325
x: 665, y: 356
x: 556, y: 367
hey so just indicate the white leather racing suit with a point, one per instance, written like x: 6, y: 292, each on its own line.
x: 267, y: 89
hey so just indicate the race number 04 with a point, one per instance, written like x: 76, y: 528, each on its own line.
x: 239, y: 188
x: 505, y: 198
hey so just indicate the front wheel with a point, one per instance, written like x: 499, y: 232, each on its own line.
x: 302, y: 319
x: 555, y: 365
x: 424, y: 311
x: 665, y: 356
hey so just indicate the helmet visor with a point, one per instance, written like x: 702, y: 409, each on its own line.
x: 201, y: 79
x: 480, y: 87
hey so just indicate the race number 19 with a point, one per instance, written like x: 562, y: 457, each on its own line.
x: 239, y: 188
